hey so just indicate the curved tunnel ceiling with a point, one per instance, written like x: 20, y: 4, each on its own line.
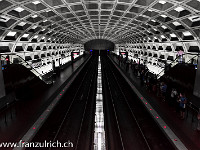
x: 79, y: 21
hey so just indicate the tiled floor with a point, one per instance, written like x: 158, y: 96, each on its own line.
x: 184, y: 129
x: 18, y: 118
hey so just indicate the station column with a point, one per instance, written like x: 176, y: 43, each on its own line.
x: 2, y: 86
x: 196, y: 91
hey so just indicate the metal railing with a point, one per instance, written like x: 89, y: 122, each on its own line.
x: 175, y: 62
x: 20, y: 60
x: 172, y: 64
x: 193, y: 58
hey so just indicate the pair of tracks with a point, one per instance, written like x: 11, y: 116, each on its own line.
x: 72, y: 120
x: 128, y: 125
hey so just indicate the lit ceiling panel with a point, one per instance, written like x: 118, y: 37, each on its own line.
x: 115, y: 20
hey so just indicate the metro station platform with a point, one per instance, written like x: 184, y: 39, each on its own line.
x: 18, y: 117
x: 185, y: 129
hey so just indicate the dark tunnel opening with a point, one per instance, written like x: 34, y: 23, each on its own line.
x: 99, y: 44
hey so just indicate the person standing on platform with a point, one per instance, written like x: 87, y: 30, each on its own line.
x: 173, y: 99
x: 182, y: 105
x: 163, y: 91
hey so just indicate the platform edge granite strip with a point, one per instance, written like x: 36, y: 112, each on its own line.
x: 43, y: 117
x: 164, y: 127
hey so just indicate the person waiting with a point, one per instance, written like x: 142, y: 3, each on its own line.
x: 182, y: 105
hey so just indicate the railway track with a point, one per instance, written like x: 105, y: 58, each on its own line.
x: 128, y: 124
x: 72, y: 120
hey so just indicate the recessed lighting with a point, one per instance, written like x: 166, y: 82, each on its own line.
x: 34, y: 16
x: 11, y: 33
x: 162, y: 2
x: 173, y: 35
x: 4, y: 18
x: 179, y: 9
x: 21, y: 24
x: 187, y: 33
x: 36, y: 36
x: 19, y: 9
x: 36, y: 2
x: 176, y: 23
x: 164, y: 27
x: 194, y: 18
x: 164, y: 16
x: 25, y: 35
x: 162, y: 36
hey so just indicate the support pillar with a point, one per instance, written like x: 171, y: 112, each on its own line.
x: 196, y: 91
x: 2, y: 86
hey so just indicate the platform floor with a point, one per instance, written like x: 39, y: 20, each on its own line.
x: 18, y: 118
x: 185, y: 129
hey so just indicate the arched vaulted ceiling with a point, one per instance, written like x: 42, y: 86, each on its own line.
x: 78, y: 21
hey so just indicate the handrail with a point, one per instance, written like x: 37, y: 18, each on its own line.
x: 173, y: 62
x: 193, y: 58
x: 41, y: 76
x: 176, y: 60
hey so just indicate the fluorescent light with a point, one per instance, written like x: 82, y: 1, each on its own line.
x: 176, y: 23
x: 11, y: 33
x: 162, y: 2
x: 153, y: 20
x: 187, y: 33
x: 179, y: 9
x: 25, y: 35
x: 36, y: 2
x: 19, y: 9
